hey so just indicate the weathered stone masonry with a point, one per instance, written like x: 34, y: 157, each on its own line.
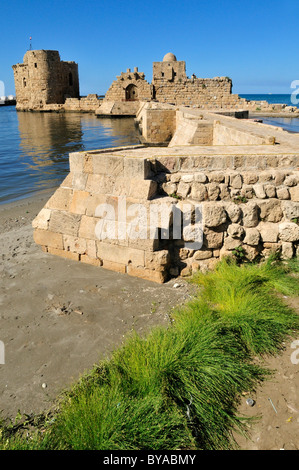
x: 43, y: 79
x: 249, y: 201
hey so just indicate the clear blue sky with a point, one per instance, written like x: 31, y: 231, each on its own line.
x: 253, y: 42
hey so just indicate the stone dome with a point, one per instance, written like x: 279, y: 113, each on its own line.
x: 169, y: 57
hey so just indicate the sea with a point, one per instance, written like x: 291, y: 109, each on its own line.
x: 35, y: 147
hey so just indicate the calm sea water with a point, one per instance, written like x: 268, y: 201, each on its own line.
x: 272, y: 99
x: 34, y: 147
x: 289, y: 124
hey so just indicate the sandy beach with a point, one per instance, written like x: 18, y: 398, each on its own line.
x: 59, y: 317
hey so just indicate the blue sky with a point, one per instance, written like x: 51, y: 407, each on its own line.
x: 255, y: 42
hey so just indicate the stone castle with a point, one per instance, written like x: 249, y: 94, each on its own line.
x: 242, y: 174
x: 45, y: 83
x: 43, y: 79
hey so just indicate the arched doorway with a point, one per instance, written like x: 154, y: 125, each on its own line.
x: 131, y: 92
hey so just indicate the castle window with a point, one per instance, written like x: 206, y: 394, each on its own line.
x: 70, y: 79
x: 35, y: 65
x: 24, y: 82
x: 162, y: 74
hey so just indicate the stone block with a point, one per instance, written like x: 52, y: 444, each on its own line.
x: 93, y: 201
x: 60, y: 200
x: 120, y: 254
x: 64, y: 254
x: 294, y: 193
x: 282, y: 192
x: 231, y: 243
x: 290, y: 180
x: 74, y: 244
x: 79, y: 181
x: 200, y: 177
x: 147, y: 274
x: 268, y: 232
x: 41, y: 221
x: 64, y: 222
x: 235, y: 231
x: 78, y: 204
x: 114, y: 266
x: 216, y: 177
x: 250, y: 178
x: 287, y: 250
x: 202, y: 254
x: 251, y: 252
x: 47, y: 238
x: 259, y: 191
x: 214, y: 215
x: 90, y: 260
x: 99, y: 184
x: 270, y: 210
x: 157, y: 260
x: 91, y: 248
x: 250, y: 214
x: 213, y: 191
x: 183, y: 189
x: 136, y: 168
x: 288, y: 232
x: 187, y: 178
x: 236, y: 181
x: 290, y: 210
x: 76, y: 160
x: 87, y: 227
x: 112, y: 165
x: 224, y: 191
x: 213, y: 238
x: 199, y: 192
x: 169, y: 188
x: 67, y: 183
x: 252, y: 236
x: 234, y: 212
x: 265, y: 176
x: 279, y: 177
x: 270, y: 190
x: 139, y: 189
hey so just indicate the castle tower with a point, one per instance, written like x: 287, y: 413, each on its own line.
x: 169, y: 70
x: 43, y: 79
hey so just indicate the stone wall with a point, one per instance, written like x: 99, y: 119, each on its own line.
x: 249, y: 203
x: 43, y: 79
x: 84, y: 104
x: 130, y: 86
x: 156, y: 122
x: 245, y: 213
x: 66, y: 226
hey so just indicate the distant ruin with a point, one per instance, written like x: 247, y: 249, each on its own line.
x: 45, y: 83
